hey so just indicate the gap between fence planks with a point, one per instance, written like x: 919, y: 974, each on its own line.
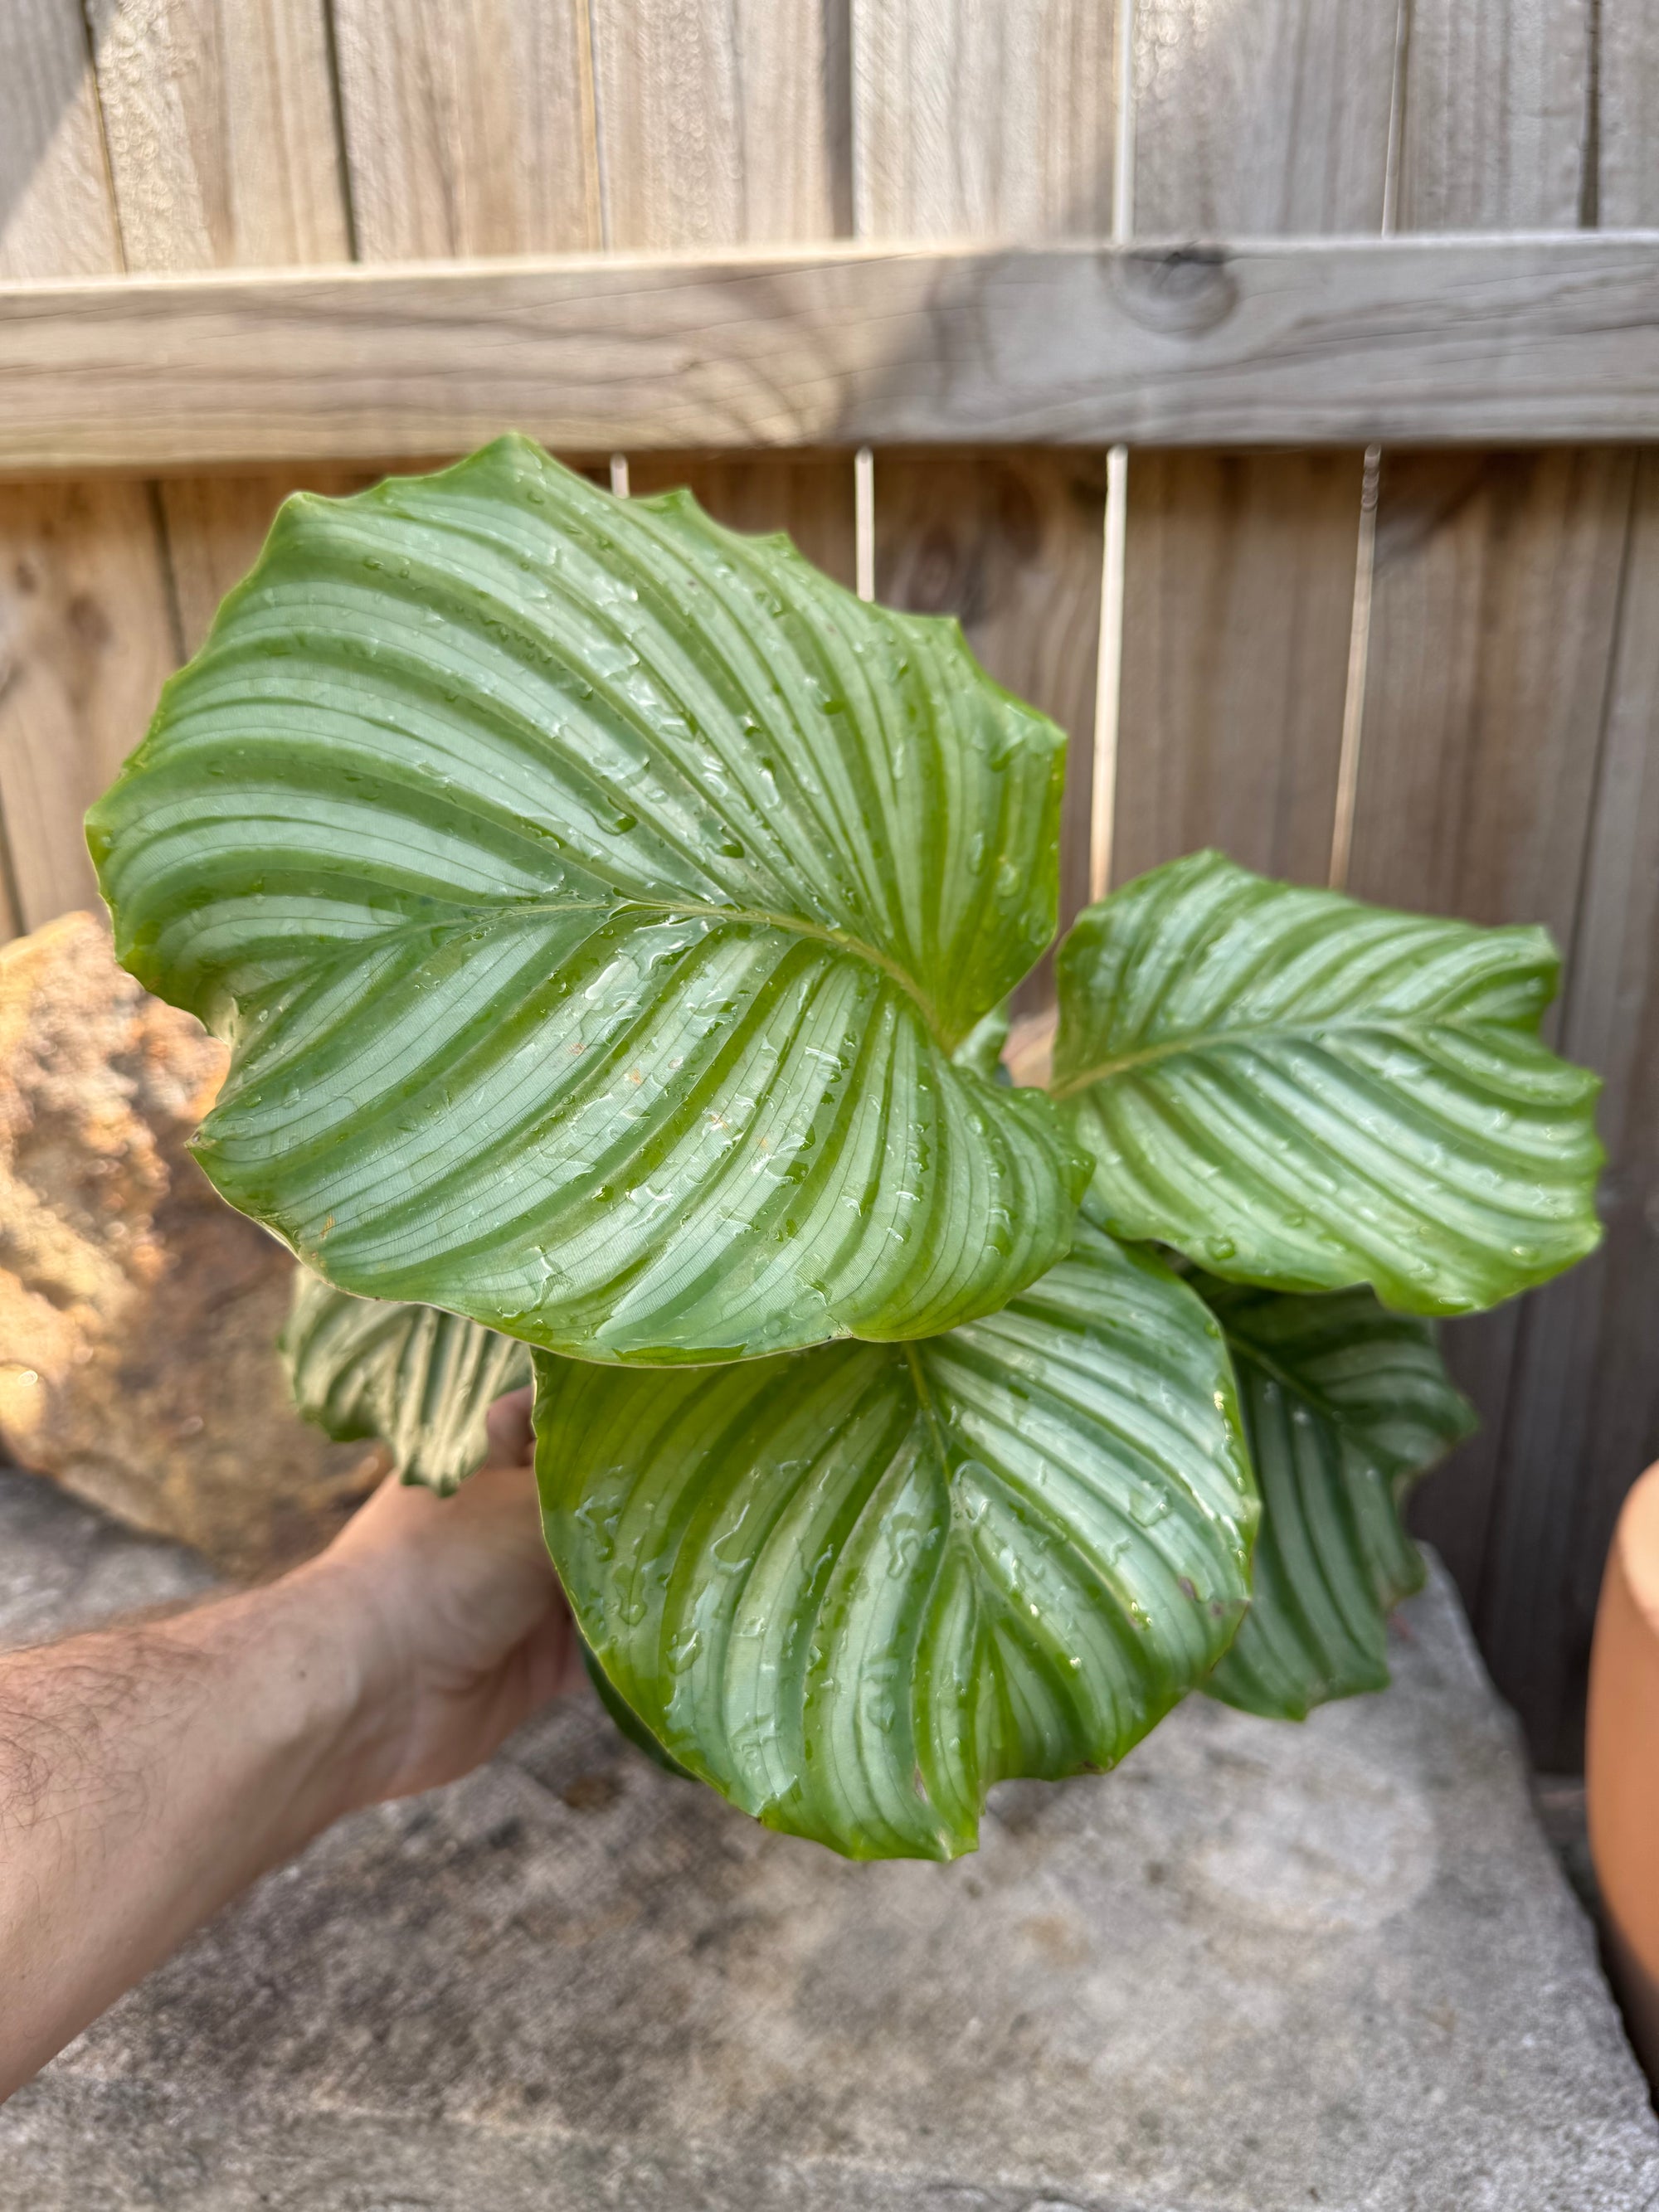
x: 1301, y: 341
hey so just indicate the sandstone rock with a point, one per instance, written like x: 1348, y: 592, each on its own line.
x: 138, y: 1313
x: 1029, y: 1053
x: 1261, y: 1968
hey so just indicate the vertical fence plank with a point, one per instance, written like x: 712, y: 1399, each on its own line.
x: 1239, y: 592
x: 223, y: 152
x: 1492, y: 628
x: 55, y: 214
x: 1010, y: 544
x: 715, y: 120
x: 55, y: 219
x: 983, y: 119
x: 1495, y: 111
x: 220, y: 128
x: 1582, y: 1414
x: 1262, y: 120
x: 468, y: 127
x: 86, y: 629
x: 1491, y: 635
x: 1625, y: 186
x: 1238, y: 602
x: 466, y: 130
x: 998, y: 120
x: 85, y: 642
x: 717, y: 124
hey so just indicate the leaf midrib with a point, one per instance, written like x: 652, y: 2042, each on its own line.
x: 758, y: 917
x: 1407, y: 1032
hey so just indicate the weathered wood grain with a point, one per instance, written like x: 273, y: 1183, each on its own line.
x: 1261, y: 121
x: 469, y: 127
x: 1489, y: 645
x: 1624, y: 182
x: 1476, y: 720
x: 55, y: 214
x: 1240, y: 581
x: 1239, y: 594
x: 718, y: 123
x: 1583, y: 1416
x: 1583, y: 1410
x: 87, y: 641
x: 1495, y: 113
x: 1587, y: 1395
x: 219, y: 121
x: 972, y: 118
x: 714, y: 122
x: 1323, y: 343
x: 55, y: 220
x: 85, y: 620
x: 220, y: 124
x: 1009, y: 542
x: 1492, y: 631
x: 1491, y: 620
x: 983, y: 119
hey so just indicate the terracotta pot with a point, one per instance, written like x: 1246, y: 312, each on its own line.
x: 1622, y: 1763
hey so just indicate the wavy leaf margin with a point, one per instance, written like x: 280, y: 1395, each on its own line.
x: 594, y: 899
x: 1298, y: 1089
x: 855, y: 1587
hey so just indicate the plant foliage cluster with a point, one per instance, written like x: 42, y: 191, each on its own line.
x: 611, y: 919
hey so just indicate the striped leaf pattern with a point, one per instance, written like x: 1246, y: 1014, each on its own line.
x: 1300, y: 1090
x: 421, y: 1380
x: 1344, y: 1404
x: 855, y: 1587
x: 627, y: 1722
x: 595, y: 900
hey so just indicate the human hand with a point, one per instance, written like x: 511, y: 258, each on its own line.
x: 150, y: 1772
x: 451, y: 1619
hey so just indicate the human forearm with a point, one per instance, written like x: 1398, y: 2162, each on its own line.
x: 146, y: 1775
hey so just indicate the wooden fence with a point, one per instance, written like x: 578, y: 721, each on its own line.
x: 1364, y: 285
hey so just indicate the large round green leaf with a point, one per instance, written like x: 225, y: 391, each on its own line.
x: 627, y: 1722
x: 1300, y: 1090
x: 1344, y: 1404
x: 594, y: 899
x: 422, y: 1380
x: 854, y: 1587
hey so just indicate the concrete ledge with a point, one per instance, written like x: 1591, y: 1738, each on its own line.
x: 1260, y: 1968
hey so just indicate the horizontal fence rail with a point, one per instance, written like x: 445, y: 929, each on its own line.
x: 1302, y: 341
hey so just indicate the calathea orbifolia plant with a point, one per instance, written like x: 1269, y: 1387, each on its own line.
x: 610, y: 918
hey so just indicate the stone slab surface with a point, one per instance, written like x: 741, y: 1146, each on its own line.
x: 1260, y: 1968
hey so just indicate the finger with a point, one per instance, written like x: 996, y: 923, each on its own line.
x: 507, y: 1425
